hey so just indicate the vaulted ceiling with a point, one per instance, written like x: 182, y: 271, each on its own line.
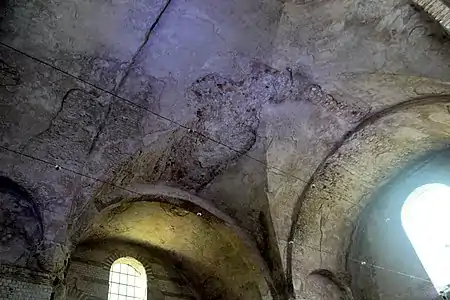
x: 271, y: 124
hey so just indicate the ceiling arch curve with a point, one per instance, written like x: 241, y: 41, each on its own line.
x: 204, y: 240
x: 366, y: 157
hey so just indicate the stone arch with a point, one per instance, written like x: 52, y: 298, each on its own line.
x: 366, y: 157
x: 21, y: 224
x: 210, y: 233
x: 380, y: 257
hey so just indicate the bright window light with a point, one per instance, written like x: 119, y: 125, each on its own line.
x: 127, y: 280
x: 425, y: 218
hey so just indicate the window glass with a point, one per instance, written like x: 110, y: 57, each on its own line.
x: 127, y: 280
x: 425, y: 218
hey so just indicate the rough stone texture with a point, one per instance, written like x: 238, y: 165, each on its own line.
x: 206, y: 247
x: 74, y: 38
x: 11, y: 289
x: 328, y: 38
x: 212, y: 36
x: 283, y: 116
x: 326, y: 222
x: 21, y: 225
x: 19, y: 283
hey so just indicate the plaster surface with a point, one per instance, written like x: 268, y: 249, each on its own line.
x: 282, y: 117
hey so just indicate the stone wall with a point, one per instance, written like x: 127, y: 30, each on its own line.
x: 25, y: 258
x: 88, y: 274
x: 11, y: 289
x: 22, y: 284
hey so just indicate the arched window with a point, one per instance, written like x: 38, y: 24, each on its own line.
x: 127, y: 280
x: 425, y: 218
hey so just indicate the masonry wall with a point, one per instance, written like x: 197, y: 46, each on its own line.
x: 22, y: 284
x: 88, y: 274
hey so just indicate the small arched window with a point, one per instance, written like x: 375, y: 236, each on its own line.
x: 425, y: 218
x: 127, y: 280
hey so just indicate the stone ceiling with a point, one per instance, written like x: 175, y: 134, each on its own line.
x: 283, y: 116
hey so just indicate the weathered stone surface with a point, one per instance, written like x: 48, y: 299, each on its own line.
x: 94, y: 40
x: 284, y: 116
x: 22, y: 231
x: 331, y: 37
x: 209, y: 245
x: 338, y: 191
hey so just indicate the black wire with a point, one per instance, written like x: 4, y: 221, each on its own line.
x: 129, y: 102
x: 134, y: 192
x: 57, y: 167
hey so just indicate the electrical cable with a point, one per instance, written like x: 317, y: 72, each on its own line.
x: 138, y: 106
x: 366, y: 264
x: 57, y: 167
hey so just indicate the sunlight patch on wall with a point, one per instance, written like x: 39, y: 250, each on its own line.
x: 425, y: 218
